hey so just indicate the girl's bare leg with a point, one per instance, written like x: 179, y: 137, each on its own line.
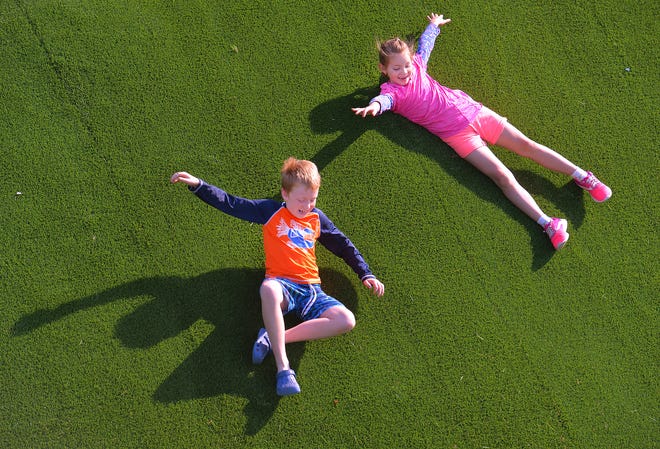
x: 514, y: 140
x: 487, y: 163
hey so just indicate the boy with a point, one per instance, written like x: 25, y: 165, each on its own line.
x: 292, y: 283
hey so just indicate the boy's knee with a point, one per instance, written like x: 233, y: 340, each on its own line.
x: 342, y: 319
x: 270, y: 290
x: 347, y: 320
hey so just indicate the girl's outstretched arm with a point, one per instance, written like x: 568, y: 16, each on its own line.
x: 373, y: 109
x: 437, y: 20
x: 427, y: 39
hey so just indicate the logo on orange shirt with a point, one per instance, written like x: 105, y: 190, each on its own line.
x: 299, y: 237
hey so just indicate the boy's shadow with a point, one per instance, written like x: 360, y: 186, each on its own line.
x: 336, y: 116
x: 228, y: 299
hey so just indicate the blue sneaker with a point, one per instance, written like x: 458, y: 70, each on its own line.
x: 261, y: 347
x: 287, y: 383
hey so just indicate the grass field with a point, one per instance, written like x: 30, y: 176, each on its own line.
x: 129, y: 307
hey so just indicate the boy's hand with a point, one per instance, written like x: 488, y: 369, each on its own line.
x: 186, y: 178
x: 372, y: 109
x: 437, y: 20
x: 375, y: 285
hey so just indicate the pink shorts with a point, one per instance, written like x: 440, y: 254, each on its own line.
x: 487, y: 126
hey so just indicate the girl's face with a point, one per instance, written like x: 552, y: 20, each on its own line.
x: 300, y: 200
x: 399, y: 68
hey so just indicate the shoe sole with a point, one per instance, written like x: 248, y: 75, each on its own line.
x: 561, y: 245
x: 556, y: 239
x: 256, y: 358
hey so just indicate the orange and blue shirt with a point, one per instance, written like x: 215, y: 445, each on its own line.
x: 289, y: 242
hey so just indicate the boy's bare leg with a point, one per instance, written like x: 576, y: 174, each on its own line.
x: 272, y: 301
x: 336, y: 320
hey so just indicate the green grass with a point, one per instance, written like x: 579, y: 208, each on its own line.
x: 129, y: 307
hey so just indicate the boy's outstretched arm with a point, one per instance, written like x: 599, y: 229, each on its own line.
x: 186, y: 178
x: 374, y: 285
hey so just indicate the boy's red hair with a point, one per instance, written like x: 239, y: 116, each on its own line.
x: 297, y: 171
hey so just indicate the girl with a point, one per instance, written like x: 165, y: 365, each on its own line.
x: 468, y: 127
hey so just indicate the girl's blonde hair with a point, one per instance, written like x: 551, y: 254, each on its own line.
x: 296, y: 171
x: 392, y: 47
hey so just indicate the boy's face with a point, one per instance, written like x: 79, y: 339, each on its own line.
x: 398, y: 69
x: 300, y: 200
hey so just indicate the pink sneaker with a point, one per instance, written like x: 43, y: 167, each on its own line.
x: 598, y: 191
x: 556, y: 230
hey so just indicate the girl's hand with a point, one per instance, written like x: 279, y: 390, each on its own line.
x: 375, y: 285
x: 437, y: 20
x: 372, y: 109
x: 186, y: 178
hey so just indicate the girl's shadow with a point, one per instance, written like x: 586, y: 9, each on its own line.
x: 336, y: 116
x: 228, y: 299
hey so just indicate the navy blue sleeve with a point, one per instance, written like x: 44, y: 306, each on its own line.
x: 427, y: 41
x: 339, y: 245
x: 255, y: 211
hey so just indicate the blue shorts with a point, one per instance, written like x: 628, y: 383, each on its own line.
x: 307, y: 300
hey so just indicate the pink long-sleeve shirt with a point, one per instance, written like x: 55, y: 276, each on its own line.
x: 443, y: 111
